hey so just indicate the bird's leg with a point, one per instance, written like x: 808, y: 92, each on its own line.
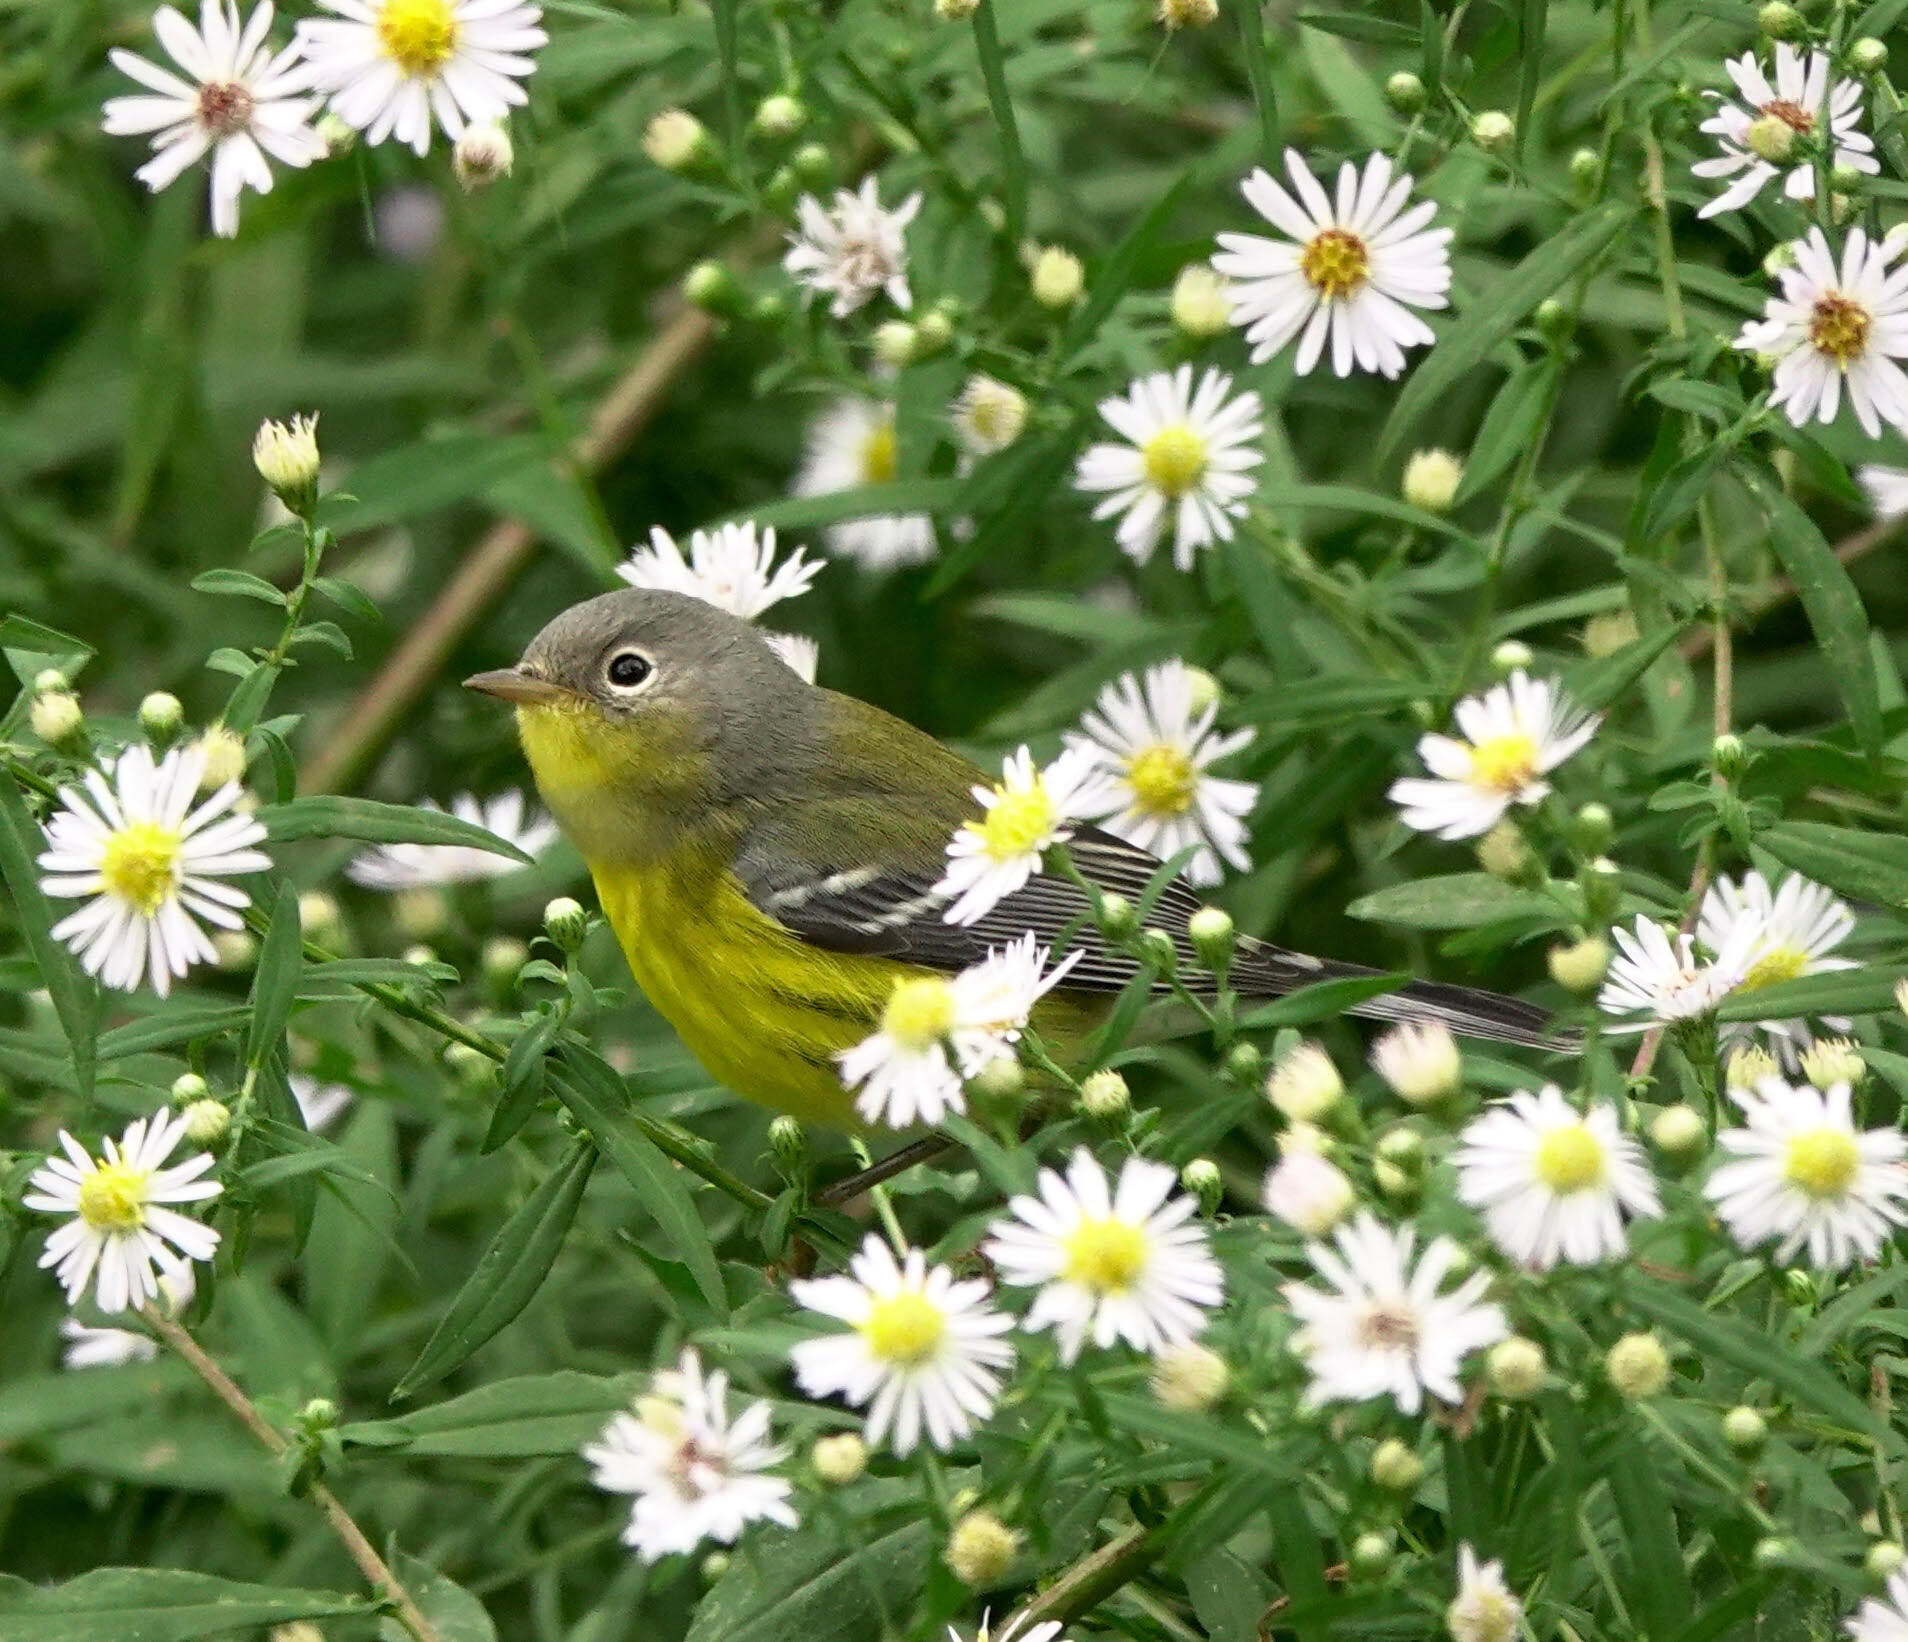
x: 924, y: 1150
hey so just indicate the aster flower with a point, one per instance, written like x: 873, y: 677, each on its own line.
x: 237, y: 101
x: 1878, y: 1620
x: 1657, y: 975
x: 921, y: 1348
x: 1796, y: 100
x: 428, y: 866
x: 1514, y: 734
x: 121, y: 1231
x: 1805, y: 1175
x: 1554, y: 1184
x: 1308, y: 1191
x: 1886, y: 489
x: 1111, y: 1262
x: 1048, y: 1630
x: 1383, y: 1328
x: 731, y: 567
x: 1185, y: 459
x: 88, y: 1347
x: 855, y: 251
x: 695, y: 1473
x: 150, y: 866
x: 1777, y: 935
x: 852, y: 444
x: 988, y: 416
x: 1154, y: 743
x: 935, y: 1033
x: 391, y: 66
x: 1029, y: 810
x: 1832, y: 329
x: 1484, y: 1609
x: 1349, y: 270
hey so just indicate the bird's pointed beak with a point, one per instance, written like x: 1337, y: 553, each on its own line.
x: 513, y: 684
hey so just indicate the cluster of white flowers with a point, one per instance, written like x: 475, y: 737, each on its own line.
x: 386, y: 68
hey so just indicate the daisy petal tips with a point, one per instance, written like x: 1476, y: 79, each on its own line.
x: 1349, y: 271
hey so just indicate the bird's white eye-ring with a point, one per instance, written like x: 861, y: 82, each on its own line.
x: 629, y: 671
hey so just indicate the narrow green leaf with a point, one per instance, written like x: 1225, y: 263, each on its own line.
x: 1013, y: 161
x: 1836, y: 992
x: 75, y: 997
x: 348, y: 597
x: 1300, y: 1555
x: 521, y: 1084
x: 455, y: 1613
x: 1598, y: 681
x: 1320, y: 1001
x: 181, y: 1023
x: 1457, y: 900
x: 1368, y: 504
x: 241, y: 584
x: 1258, y: 67
x: 275, y: 982
x: 31, y: 648
x: 1530, y: 49
x: 1659, y: 1585
x: 154, y: 1605
x: 508, y: 1273
x: 1871, y: 866
x: 527, y: 1417
x: 371, y: 822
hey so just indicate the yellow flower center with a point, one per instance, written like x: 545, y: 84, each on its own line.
x: 1164, y: 780
x: 1823, y: 1162
x: 1105, y: 1255
x: 1781, y: 963
x: 1018, y: 823
x: 1175, y: 459
x: 1336, y: 263
x: 879, y: 461
x: 905, y: 1329
x: 140, y: 865
x: 1793, y: 115
x: 418, y: 35
x: 1838, y: 327
x: 113, y: 1198
x: 1504, y: 763
x: 920, y: 1012
x: 1570, y: 1159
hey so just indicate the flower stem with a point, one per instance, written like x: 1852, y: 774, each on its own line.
x: 360, y: 1549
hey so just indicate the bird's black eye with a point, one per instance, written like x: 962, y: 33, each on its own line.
x: 629, y: 668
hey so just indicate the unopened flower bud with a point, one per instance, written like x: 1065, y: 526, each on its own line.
x: 1420, y: 1062
x: 1396, y: 1184
x: 566, y: 923
x: 1728, y: 756
x: 420, y: 913
x: 56, y: 716
x: 711, y: 287
x: 1745, y: 1430
x: 1780, y: 21
x: 1586, y: 169
x: 934, y: 330
x: 1749, y: 1064
x: 714, y: 1566
x: 1901, y: 994
x: 1552, y: 319
x: 1403, y: 1146
x: 1395, y: 1466
x: 1493, y: 131
x: 337, y: 137
x: 1202, y: 690
x: 1777, y: 258
x: 840, y: 1459
x: 981, y: 1549
x: 1309, y: 1193
x: 1679, y: 1131
x: 1189, y: 1378
x: 779, y: 115
x: 1503, y: 853
x: 287, y: 460
x: 1210, y: 929
x: 1058, y: 278
x: 1608, y: 633
x: 1593, y: 827
x: 1601, y: 881
x: 1800, y: 1288
x: 1188, y: 14
x: 1155, y: 949
x: 1580, y: 966
x: 1245, y: 1063
x: 1883, y: 1560
x: 676, y: 140
x: 1868, y: 55
x: 1119, y: 918
x: 1844, y: 178
x: 789, y: 1142
x: 770, y: 308
x: 1773, y: 1551
x: 1515, y: 1369
x: 1638, y: 1366
x: 160, y: 716
x: 319, y: 1414
x: 234, y: 950
x: 1404, y: 91
x: 1105, y: 1097
x: 482, y: 155
x: 1770, y: 138
x: 1431, y: 480
x: 1304, y: 1084
x: 955, y: 11
x: 895, y: 343
x: 1371, y: 1555
x: 418, y: 955
x: 1201, y: 1177
x: 1829, y: 1061
x: 1202, y: 302
x: 815, y: 164
x: 503, y: 958
x: 225, y: 758
x: 206, y: 1121
x: 188, y: 1087
x: 1001, y: 1079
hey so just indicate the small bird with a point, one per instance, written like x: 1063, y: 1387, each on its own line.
x: 767, y: 852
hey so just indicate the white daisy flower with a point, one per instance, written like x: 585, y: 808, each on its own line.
x: 1384, y: 1329
x: 800, y: 654
x: 1886, y: 489
x: 1806, y: 1175
x: 429, y: 866
x: 114, y: 1347
x: 1112, y: 1262
x: 1349, y: 271
x: 392, y: 65
x: 1828, y: 330
x: 852, y: 444
x: 151, y: 866
x: 1185, y: 462
x: 1882, y: 1621
x: 1048, y: 1630
x: 855, y: 251
x: 1484, y: 1609
x: 121, y: 1230
x: 320, y: 1104
x: 1554, y: 1184
x: 1029, y: 810
x: 1514, y: 734
x: 921, y: 1347
x: 936, y: 1033
x: 1153, y: 741
x: 1308, y: 1191
x: 1796, y: 100
x: 238, y: 101
x: 1776, y: 935
x: 1657, y: 975
x: 696, y: 1474
x: 731, y: 567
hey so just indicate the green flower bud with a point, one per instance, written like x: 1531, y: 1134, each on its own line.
x: 234, y: 950
x: 1105, y: 1097
x: 1586, y: 170
x: 1245, y: 1063
x: 981, y: 1549
x: 840, y: 1459
x: 1119, y: 918
x: 1728, y: 757
x: 286, y: 457
x: 1512, y: 656
x: 1402, y: 1146
x: 1187, y: 14
x: 1405, y: 92
x: 1868, y: 55
x: 1844, y: 178
x: 160, y: 716
x: 1156, y: 950
x: 1638, y: 1366
x: 1058, y: 277
x: 1212, y: 937
x: 56, y: 716
x: 1553, y: 319
x: 714, y: 1566
x: 1201, y: 302
x: 188, y: 1087
x: 1431, y: 480
x: 1781, y: 22
x: 788, y: 1140
x: 1745, y: 1430
x: 207, y: 1121
x: 1602, y: 885
x: 1189, y: 1378
x: 676, y: 140
x: 566, y: 923
x: 779, y: 116
x: 1773, y: 1552
x: 770, y: 308
x: 933, y: 331
x: 711, y: 287
x: 1515, y: 1369
x: 1370, y: 1556
x: 1493, y: 131
x: 319, y: 916
x: 1002, y: 1078
x: 815, y: 164
x: 895, y: 343
x: 503, y: 959
x: 1504, y: 853
x: 1580, y: 966
x: 1883, y: 1560
x: 1201, y: 1177
x: 1400, y: 1185
x: 320, y: 1414
x: 1304, y: 1084
x: 1395, y: 1466
x: 1679, y: 1132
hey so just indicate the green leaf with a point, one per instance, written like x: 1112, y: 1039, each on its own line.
x: 1458, y: 900
x: 181, y: 1023
x: 598, y: 1099
x: 1013, y: 162
x: 371, y: 822
x: 1833, y: 606
x: 1258, y: 67
x: 237, y: 584
x: 528, y: 1417
x: 455, y: 1614
x: 31, y: 648
x: 1492, y: 314
x: 75, y: 997
x: 40, y: 1404
x: 1836, y: 992
x: 154, y: 1605
x: 1871, y: 866
x: 508, y: 1273
x: 1516, y: 412
x: 1320, y: 1001
x: 1659, y: 1584
x: 1367, y: 503
x: 348, y: 597
x: 275, y: 983
x: 1601, y: 680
